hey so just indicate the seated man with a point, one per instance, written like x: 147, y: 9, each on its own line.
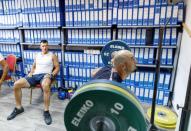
x: 45, y: 67
x: 3, y: 69
x: 123, y: 63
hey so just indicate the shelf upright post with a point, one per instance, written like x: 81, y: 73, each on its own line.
x: 114, y: 32
x: 161, y: 31
x: 63, y: 46
x: 22, y: 39
x: 64, y: 42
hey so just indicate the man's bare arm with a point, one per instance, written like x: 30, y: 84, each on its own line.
x: 32, y: 69
x: 5, y: 69
x: 56, y: 65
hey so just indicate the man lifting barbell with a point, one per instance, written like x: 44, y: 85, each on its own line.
x: 123, y: 63
x: 106, y: 105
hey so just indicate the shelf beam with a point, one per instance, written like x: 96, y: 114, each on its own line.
x: 86, y: 27
x: 39, y: 43
x: 8, y: 28
x: 149, y: 26
x: 38, y: 28
x: 9, y: 43
x: 131, y: 46
x: 154, y: 66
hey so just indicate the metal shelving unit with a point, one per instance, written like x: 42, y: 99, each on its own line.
x: 8, y: 28
x: 86, y: 27
x: 10, y: 43
x: 51, y: 44
x: 149, y: 26
x: 38, y: 28
x: 131, y: 46
x: 154, y: 66
x: 114, y: 29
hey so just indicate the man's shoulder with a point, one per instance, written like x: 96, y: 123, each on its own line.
x: 105, y: 68
x: 53, y: 55
x: 48, y: 54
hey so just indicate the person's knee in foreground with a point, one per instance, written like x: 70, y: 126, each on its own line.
x: 45, y: 67
x: 3, y: 69
x: 123, y: 63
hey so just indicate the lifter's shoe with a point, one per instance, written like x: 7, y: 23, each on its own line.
x: 15, y: 113
x: 47, y: 117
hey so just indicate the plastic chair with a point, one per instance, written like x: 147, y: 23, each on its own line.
x: 39, y: 86
x: 11, y: 61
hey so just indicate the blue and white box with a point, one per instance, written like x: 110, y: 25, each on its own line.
x: 151, y: 56
x: 151, y: 15
x: 141, y: 55
x: 146, y: 55
x: 180, y: 11
x: 157, y: 15
x: 110, y: 16
x: 175, y: 15
x: 145, y: 15
x: 164, y: 56
x: 124, y: 16
x: 167, y: 36
x: 120, y: 16
x: 115, y: 15
x: 173, y: 36
x: 169, y: 14
x: 100, y: 18
x: 163, y: 15
x: 129, y: 16
x: 170, y: 57
x: 140, y: 16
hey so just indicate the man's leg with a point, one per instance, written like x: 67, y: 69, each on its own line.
x: 46, y: 83
x: 21, y: 83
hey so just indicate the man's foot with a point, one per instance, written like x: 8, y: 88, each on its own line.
x: 47, y: 117
x: 15, y: 113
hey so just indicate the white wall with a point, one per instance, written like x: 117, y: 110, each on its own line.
x: 184, y: 64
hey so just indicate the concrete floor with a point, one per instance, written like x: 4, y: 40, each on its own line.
x: 32, y: 118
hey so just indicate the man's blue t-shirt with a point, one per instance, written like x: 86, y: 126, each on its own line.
x: 105, y: 73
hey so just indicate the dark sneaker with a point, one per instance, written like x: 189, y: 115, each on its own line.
x: 15, y: 113
x: 47, y: 117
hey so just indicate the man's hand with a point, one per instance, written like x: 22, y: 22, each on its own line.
x: 52, y: 76
x: 30, y: 74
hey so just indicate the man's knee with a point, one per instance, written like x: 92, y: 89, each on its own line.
x: 17, y: 85
x: 20, y: 83
x: 46, y: 86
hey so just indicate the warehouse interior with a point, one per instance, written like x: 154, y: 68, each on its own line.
x: 82, y: 38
